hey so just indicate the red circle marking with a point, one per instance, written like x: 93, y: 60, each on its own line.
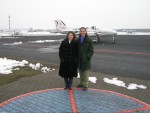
x: 123, y: 52
x: 73, y: 103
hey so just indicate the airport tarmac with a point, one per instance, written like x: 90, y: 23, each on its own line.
x: 129, y: 56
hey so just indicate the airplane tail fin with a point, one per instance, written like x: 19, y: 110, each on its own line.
x: 60, y: 25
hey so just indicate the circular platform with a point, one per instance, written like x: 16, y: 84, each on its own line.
x: 76, y: 100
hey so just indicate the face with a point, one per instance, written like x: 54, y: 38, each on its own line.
x: 83, y: 32
x: 70, y: 36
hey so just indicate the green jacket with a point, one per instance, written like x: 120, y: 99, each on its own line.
x: 85, y: 52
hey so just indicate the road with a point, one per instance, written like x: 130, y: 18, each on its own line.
x: 129, y: 57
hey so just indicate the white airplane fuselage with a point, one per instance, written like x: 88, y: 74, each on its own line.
x: 92, y: 31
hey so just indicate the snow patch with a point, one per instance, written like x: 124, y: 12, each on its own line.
x: 15, y: 43
x: 41, y: 34
x: 35, y: 66
x: 8, y: 65
x: 44, y: 41
x: 120, y: 83
x: 92, y: 79
x: 135, y: 86
x: 115, y: 81
x: 10, y: 37
x: 45, y: 69
x: 133, y: 33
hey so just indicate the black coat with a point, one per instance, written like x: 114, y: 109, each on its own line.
x: 68, y: 54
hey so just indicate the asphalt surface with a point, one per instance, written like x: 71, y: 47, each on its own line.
x: 128, y: 57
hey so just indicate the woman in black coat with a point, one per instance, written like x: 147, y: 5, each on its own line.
x: 68, y: 53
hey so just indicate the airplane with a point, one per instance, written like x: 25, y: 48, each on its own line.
x: 61, y: 27
x: 93, y: 31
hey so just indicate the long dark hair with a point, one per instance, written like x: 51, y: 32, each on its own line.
x: 86, y: 35
x: 74, y: 36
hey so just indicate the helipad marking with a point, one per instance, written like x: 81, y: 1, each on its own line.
x: 72, y: 101
x: 87, y: 96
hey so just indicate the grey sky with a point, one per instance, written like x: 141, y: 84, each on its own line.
x: 75, y: 13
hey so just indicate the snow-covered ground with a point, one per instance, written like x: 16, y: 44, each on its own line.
x: 133, y: 33
x: 6, y: 34
x: 41, y: 34
x: 37, y: 41
x: 10, y: 34
x: 43, y: 41
x: 120, y: 83
x: 8, y: 65
x: 9, y: 37
x: 15, y: 43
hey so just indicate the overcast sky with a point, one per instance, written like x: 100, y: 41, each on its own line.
x: 75, y: 13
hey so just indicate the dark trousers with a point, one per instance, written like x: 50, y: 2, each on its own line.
x: 68, y: 81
